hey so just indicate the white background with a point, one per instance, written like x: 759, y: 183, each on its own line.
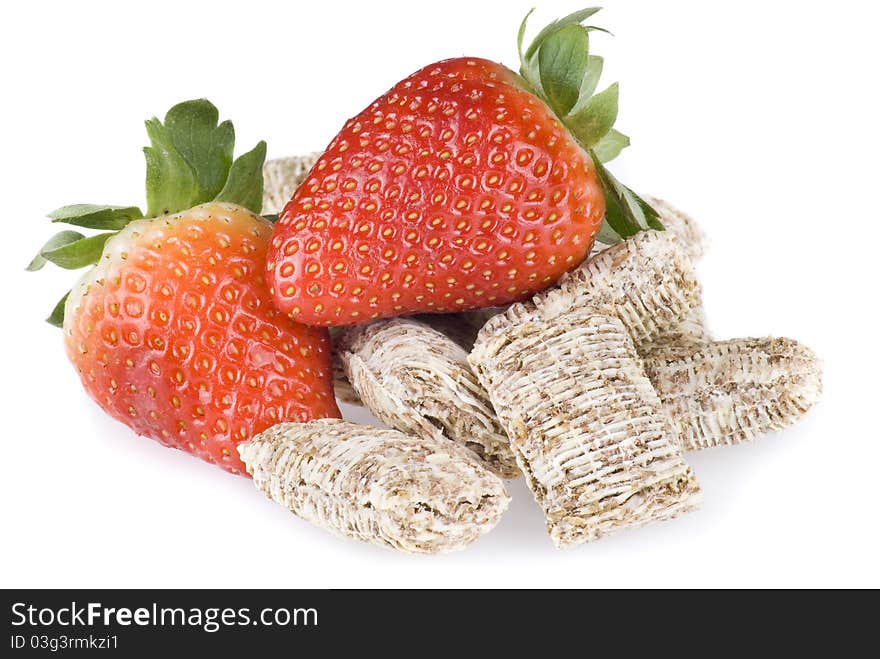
x: 759, y: 118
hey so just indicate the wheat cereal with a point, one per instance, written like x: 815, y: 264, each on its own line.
x: 691, y: 241
x: 692, y: 330
x: 416, y: 379
x: 414, y: 494
x: 342, y: 388
x: 683, y: 226
x: 282, y: 177
x: 584, y: 422
x: 731, y: 392
x: 648, y: 280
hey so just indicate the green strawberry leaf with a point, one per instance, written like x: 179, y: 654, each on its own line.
x: 522, y: 33
x: 610, y: 146
x: 594, y: 28
x: 56, y: 318
x: 595, y: 119
x: 562, y: 63
x: 652, y: 217
x: 172, y: 184
x: 607, y: 235
x: 626, y: 214
x: 207, y: 147
x: 78, y: 253
x: 245, y: 183
x: 590, y: 82
x: 574, y: 18
x: 530, y: 72
x: 529, y: 60
x: 189, y: 162
x: 617, y: 220
x: 92, y: 216
x: 58, y: 240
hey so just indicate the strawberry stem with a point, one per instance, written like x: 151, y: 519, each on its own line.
x: 560, y: 70
x: 189, y: 162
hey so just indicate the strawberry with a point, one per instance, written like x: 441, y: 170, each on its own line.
x: 173, y: 331
x: 464, y: 186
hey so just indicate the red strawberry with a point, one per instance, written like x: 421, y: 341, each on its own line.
x: 174, y: 333
x: 464, y: 186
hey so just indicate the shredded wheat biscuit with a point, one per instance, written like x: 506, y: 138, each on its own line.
x: 418, y: 380
x: 282, y: 177
x: 647, y: 280
x: 734, y: 391
x: 460, y: 327
x: 690, y: 236
x: 692, y: 242
x: 342, y: 388
x: 418, y: 495
x: 691, y: 331
x: 584, y: 422
x: 464, y: 327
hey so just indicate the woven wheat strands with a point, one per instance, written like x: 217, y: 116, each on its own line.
x: 692, y: 330
x: 584, y: 422
x: 342, y: 388
x: 691, y: 242
x: 648, y: 280
x: 461, y: 328
x: 414, y: 494
x: 730, y: 392
x: 282, y: 177
x: 418, y: 380
x: 683, y: 226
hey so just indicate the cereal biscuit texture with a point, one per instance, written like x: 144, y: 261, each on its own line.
x: 691, y: 242
x: 462, y: 328
x: 342, y: 388
x: 584, y: 422
x: 648, y: 280
x: 683, y: 226
x: 418, y: 380
x: 417, y: 495
x: 731, y: 392
x: 282, y: 177
x: 692, y: 330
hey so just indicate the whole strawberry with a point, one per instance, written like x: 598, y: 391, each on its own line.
x: 173, y: 331
x: 465, y: 186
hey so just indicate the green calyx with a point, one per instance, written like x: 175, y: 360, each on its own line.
x: 189, y: 162
x: 559, y: 68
